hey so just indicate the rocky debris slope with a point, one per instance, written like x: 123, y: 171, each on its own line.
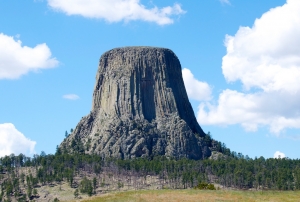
x: 140, y: 108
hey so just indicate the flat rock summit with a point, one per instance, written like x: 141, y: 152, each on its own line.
x: 140, y: 109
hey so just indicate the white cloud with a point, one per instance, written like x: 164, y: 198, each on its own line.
x: 277, y: 110
x: 17, y: 60
x: 196, y: 90
x: 279, y: 155
x: 266, y: 59
x: 267, y: 56
x: 13, y: 141
x: 117, y: 10
x: 71, y: 97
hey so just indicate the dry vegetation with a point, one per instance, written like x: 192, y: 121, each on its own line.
x: 108, y: 189
x: 197, y: 195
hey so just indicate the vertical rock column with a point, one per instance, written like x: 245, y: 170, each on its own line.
x: 140, y: 107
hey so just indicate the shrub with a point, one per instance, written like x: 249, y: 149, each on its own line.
x: 86, y: 186
x: 204, y: 185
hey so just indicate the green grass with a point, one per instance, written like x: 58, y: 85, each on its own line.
x: 198, y: 195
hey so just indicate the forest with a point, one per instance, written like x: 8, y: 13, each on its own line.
x: 86, y: 174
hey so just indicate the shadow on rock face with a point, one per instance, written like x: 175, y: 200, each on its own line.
x: 140, y: 108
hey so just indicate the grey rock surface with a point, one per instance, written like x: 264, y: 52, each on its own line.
x: 140, y: 108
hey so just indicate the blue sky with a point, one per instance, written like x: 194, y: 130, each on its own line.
x: 240, y: 60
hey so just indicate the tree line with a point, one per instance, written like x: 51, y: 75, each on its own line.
x: 234, y: 171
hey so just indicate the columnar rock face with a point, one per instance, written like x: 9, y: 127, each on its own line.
x: 140, y: 108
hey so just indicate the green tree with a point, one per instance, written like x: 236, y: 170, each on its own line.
x: 94, y: 184
x: 58, y: 151
x: 35, y: 192
x: 76, y: 193
x: 29, y: 191
x: 86, y: 186
x: 66, y: 134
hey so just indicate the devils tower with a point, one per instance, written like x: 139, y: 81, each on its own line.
x: 140, y: 109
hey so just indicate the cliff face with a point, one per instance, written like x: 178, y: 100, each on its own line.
x: 140, y: 108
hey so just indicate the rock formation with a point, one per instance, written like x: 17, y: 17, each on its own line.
x: 140, y: 108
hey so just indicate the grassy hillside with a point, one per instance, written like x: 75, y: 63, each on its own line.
x: 197, y: 195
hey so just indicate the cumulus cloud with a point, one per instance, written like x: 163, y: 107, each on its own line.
x: 196, y: 90
x: 277, y: 110
x: 117, y: 10
x: 279, y: 155
x: 13, y: 141
x: 267, y: 56
x: 266, y: 60
x: 71, y: 97
x: 17, y: 60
